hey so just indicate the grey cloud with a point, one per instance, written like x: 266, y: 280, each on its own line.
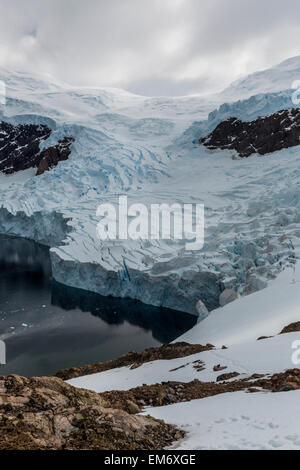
x: 162, y: 47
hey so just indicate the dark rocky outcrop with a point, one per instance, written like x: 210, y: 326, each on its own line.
x: 51, y: 156
x: 229, y: 376
x: 262, y: 136
x: 20, y: 148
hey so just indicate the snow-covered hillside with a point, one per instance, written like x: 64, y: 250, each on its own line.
x: 259, y: 94
x: 236, y: 420
x: 277, y: 78
x: 143, y: 148
x: 261, y: 314
x: 237, y: 326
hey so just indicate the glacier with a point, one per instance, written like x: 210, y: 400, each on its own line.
x: 146, y: 148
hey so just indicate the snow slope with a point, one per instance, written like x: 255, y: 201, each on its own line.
x: 236, y: 421
x: 238, y: 326
x: 140, y: 147
x: 280, y: 77
x: 263, y: 313
x: 259, y: 94
x: 248, y: 109
x: 266, y: 357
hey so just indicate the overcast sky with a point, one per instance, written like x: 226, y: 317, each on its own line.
x: 152, y: 47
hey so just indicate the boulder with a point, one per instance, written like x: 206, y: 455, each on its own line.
x: 254, y: 284
x: 227, y: 296
x: 50, y: 157
x: 201, y: 309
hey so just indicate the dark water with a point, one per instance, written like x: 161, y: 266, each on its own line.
x: 47, y: 326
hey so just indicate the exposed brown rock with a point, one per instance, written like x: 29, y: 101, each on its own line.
x: 219, y: 368
x: 283, y: 382
x: 46, y: 413
x: 261, y: 338
x: 50, y: 157
x: 135, y: 360
x: 168, y: 393
x: 224, y: 377
x: 264, y: 135
x: 199, y: 365
x: 292, y: 328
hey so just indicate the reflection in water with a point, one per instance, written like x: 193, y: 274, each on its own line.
x: 48, y: 326
x: 165, y: 325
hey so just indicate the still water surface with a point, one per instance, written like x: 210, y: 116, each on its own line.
x: 47, y: 326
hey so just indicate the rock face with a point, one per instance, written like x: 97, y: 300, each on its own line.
x: 282, y: 382
x: 264, y: 135
x: 46, y: 413
x: 254, y: 284
x: 292, y: 328
x: 51, y: 156
x: 227, y: 296
x: 20, y: 148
